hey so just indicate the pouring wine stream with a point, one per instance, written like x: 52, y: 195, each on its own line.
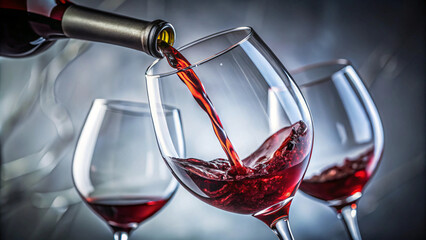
x: 195, y: 86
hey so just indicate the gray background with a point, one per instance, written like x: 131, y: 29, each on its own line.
x: 42, y: 109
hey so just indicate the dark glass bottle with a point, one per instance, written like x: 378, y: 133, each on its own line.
x: 30, y: 26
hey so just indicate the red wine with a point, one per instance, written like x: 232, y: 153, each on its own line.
x: 125, y: 213
x: 273, y: 173
x: 340, y: 182
x: 30, y: 26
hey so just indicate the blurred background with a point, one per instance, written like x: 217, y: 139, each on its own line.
x: 44, y: 100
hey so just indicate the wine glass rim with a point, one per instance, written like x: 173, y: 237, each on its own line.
x: 213, y: 56
x: 337, y: 62
x: 130, y: 107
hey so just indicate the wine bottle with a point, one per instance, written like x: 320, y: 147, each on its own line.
x: 28, y: 27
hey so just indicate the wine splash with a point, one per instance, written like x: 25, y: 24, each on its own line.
x: 273, y: 172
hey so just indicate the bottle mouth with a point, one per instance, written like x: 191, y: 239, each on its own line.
x: 161, y: 31
x: 167, y: 35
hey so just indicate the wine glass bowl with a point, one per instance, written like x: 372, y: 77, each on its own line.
x: 348, y: 134
x: 117, y: 168
x: 246, y: 111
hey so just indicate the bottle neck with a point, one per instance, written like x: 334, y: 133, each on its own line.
x: 93, y: 25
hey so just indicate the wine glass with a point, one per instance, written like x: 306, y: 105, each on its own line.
x: 248, y: 131
x: 348, y: 137
x: 117, y: 168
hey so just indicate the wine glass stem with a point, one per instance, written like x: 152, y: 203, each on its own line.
x: 348, y: 215
x: 119, y: 235
x: 282, y: 229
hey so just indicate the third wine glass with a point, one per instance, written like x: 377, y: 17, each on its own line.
x: 348, y: 138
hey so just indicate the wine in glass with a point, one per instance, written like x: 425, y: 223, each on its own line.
x: 348, y: 137
x: 117, y: 168
x: 247, y: 128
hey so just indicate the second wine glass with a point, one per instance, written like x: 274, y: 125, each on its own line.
x: 248, y: 131
x: 117, y: 168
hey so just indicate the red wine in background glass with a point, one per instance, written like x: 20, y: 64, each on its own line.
x: 340, y: 182
x: 125, y: 213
